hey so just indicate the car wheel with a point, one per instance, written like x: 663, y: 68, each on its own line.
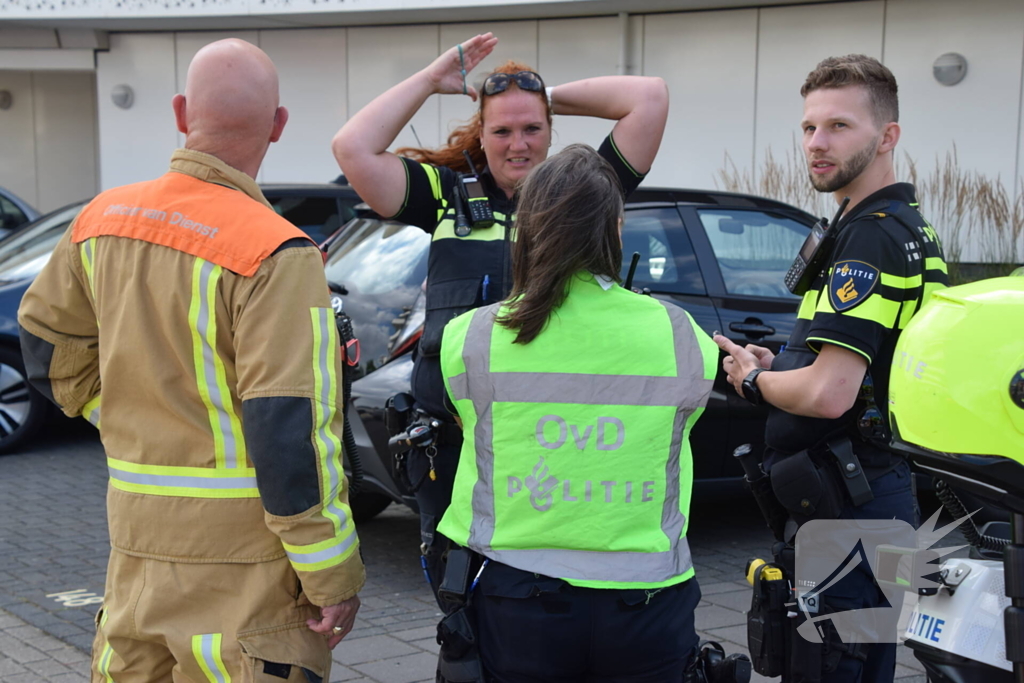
x: 23, y: 410
x: 367, y: 505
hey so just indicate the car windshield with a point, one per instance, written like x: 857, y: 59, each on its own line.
x: 23, y: 254
x: 382, y: 265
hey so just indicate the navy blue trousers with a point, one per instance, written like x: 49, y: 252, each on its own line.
x: 536, y: 628
x: 894, y: 499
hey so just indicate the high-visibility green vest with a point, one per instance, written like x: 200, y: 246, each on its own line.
x: 576, y: 461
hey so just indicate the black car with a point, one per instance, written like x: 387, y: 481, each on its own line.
x: 720, y: 256
x: 317, y: 209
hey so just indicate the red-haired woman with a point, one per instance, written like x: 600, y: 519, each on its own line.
x: 508, y: 136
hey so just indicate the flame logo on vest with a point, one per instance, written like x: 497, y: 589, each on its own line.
x: 851, y: 284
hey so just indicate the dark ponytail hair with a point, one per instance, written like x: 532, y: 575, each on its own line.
x: 567, y: 221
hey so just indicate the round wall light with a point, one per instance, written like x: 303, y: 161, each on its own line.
x: 122, y: 96
x: 950, y: 68
x: 6, y: 100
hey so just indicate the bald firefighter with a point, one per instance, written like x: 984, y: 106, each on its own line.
x: 204, y: 318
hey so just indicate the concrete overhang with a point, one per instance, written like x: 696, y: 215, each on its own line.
x: 178, y: 15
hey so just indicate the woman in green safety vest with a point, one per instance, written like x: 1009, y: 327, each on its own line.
x: 576, y: 398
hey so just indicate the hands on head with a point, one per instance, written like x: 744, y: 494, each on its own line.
x: 336, y: 621
x: 445, y: 72
x: 740, y: 361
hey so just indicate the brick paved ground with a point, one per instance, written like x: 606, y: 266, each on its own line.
x: 53, y: 541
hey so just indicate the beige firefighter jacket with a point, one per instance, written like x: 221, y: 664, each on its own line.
x: 205, y: 318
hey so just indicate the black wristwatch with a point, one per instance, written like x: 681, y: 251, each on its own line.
x: 750, y: 390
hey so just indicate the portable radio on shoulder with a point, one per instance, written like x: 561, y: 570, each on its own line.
x: 814, y: 254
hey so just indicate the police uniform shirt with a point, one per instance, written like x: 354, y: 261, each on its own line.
x: 464, y: 273
x: 880, y: 273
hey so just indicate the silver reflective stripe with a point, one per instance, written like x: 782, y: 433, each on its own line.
x: 210, y: 661
x: 595, y: 565
x: 94, y: 417
x: 326, y: 398
x: 204, y: 324
x: 569, y: 387
x: 175, y: 480
x: 322, y: 555
x: 685, y: 391
x: 476, y: 352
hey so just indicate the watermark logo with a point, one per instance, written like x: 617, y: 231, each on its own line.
x: 848, y: 559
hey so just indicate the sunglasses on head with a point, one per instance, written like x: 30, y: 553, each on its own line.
x: 499, y: 82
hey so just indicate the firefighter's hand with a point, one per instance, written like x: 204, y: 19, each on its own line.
x: 336, y: 621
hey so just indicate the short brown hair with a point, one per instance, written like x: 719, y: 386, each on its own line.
x: 840, y: 72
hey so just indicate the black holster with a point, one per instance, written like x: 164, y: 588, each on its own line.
x: 768, y: 628
x: 459, y: 658
x: 818, y: 483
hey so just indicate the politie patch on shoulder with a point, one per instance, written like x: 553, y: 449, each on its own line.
x: 851, y: 283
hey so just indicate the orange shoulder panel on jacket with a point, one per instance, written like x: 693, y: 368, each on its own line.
x: 215, y: 223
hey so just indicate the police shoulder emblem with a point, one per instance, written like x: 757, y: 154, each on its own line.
x: 851, y: 283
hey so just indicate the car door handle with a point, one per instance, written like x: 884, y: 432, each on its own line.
x: 752, y: 328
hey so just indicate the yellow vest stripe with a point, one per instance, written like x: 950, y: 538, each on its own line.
x: 935, y: 263
x: 206, y: 649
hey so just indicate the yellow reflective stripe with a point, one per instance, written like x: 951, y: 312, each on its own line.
x: 807, y: 305
x: 325, y: 387
x: 901, y: 282
x: 875, y: 308
x: 935, y: 263
x: 907, y: 312
x: 91, y: 412
x: 183, y: 482
x: 206, y: 649
x: 88, y: 248
x: 835, y: 343
x: 211, y: 377
x: 434, y: 178
x: 103, y: 664
x: 329, y: 553
x: 622, y: 158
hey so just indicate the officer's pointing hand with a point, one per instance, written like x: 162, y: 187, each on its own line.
x: 336, y: 620
x: 739, y: 362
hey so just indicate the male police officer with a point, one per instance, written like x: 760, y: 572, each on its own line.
x: 827, y: 391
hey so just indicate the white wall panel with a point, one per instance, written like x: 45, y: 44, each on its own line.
x: 516, y: 40
x: 572, y: 49
x: 65, y: 112
x: 136, y: 143
x: 17, y: 144
x: 379, y: 58
x: 708, y: 60
x: 313, y: 73
x: 791, y: 42
x: 981, y: 114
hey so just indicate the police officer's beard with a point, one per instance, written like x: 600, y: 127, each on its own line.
x: 846, y: 171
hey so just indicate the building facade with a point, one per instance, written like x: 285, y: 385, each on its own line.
x: 734, y: 75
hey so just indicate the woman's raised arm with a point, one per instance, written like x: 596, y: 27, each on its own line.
x: 638, y: 103
x: 361, y: 145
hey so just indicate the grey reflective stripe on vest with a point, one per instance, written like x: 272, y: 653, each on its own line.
x: 685, y: 391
